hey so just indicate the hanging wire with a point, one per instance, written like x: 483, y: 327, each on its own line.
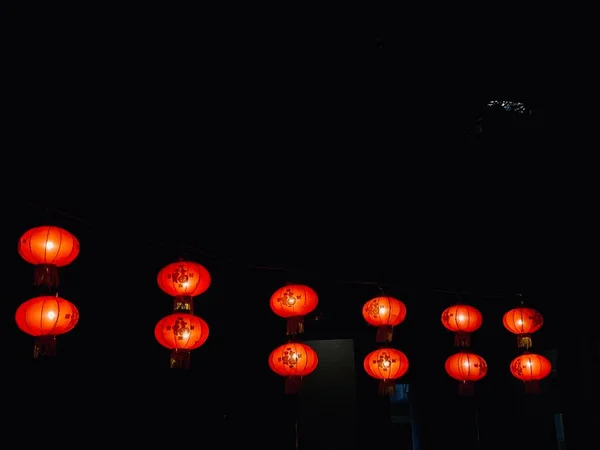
x: 184, y: 249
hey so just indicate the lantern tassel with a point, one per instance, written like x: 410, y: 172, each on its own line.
x: 387, y: 388
x: 293, y: 384
x: 466, y: 389
x: 462, y: 339
x: 525, y: 341
x: 44, y: 346
x: 295, y: 325
x: 532, y: 387
x: 183, y: 304
x: 46, y: 275
x: 180, y: 359
x: 384, y: 334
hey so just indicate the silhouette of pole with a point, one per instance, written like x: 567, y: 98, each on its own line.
x: 296, y: 427
x: 477, y: 429
x: 297, y: 439
x: 414, y: 421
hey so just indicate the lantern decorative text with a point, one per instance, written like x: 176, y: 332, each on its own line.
x: 44, y: 318
x: 48, y: 248
x: 531, y: 369
x: 184, y: 280
x: 293, y: 302
x: 462, y: 320
x: 384, y: 313
x: 466, y: 368
x: 386, y: 365
x: 181, y: 333
x: 293, y: 361
x: 523, y: 322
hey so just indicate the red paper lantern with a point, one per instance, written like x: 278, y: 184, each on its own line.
x: 466, y: 368
x: 523, y: 322
x: 181, y: 333
x: 384, y: 313
x: 386, y: 365
x: 462, y: 320
x: 531, y: 369
x: 184, y: 280
x: 45, y: 318
x: 293, y: 302
x: 293, y: 361
x: 48, y: 248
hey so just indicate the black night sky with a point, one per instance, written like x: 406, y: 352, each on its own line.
x: 268, y: 157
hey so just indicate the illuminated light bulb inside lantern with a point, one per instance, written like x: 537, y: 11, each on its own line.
x: 382, y: 310
x: 528, y: 364
x: 466, y: 364
x: 185, y: 334
x: 295, y: 356
x: 461, y: 318
x: 519, y: 322
x: 51, y: 315
x: 185, y: 284
x: 49, y: 245
x: 386, y: 364
x: 291, y: 300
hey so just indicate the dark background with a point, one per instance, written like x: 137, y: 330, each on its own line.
x: 331, y: 155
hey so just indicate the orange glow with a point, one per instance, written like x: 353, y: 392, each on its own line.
x: 47, y: 316
x: 386, y: 364
x: 462, y: 318
x: 181, y: 332
x: 523, y: 321
x: 184, y: 278
x: 294, y: 300
x: 48, y: 245
x: 465, y: 366
x: 293, y: 359
x: 530, y: 367
x: 384, y: 311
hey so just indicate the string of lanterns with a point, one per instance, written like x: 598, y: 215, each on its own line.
x: 182, y: 331
x: 293, y: 360
x: 465, y: 367
x: 46, y: 316
x: 468, y: 368
x: 530, y: 368
x: 385, y: 364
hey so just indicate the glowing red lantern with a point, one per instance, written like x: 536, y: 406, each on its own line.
x: 462, y: 320
x: 181, y: 333
x: 184, y: 280
x: 384, y: 313
x: 45, y: 318
x: 531, y: 369
x: 48, y: 248
x: 523, y: 322
x: 386, y: 365
x: 293, y: 361
x: 293, y: 302
x: 466, y: 368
